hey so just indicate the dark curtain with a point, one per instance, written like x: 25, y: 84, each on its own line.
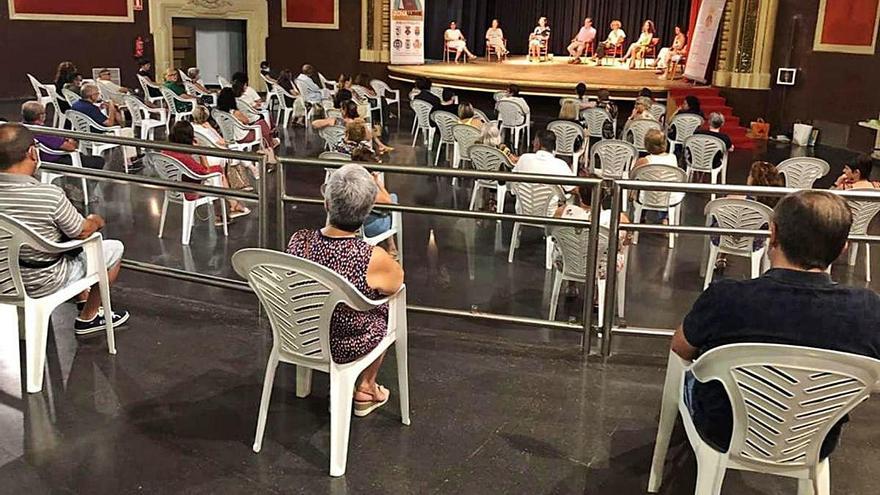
x: 519, y: 17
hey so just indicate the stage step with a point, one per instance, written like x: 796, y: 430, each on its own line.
x: 712, y: 101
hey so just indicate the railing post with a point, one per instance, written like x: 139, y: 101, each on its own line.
x: 263, y: 191
x: 280, y: 219
x: 592, y: 257
x: 611, y: 270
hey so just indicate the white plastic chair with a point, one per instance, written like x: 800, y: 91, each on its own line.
x: 634, y: 132
x: 38, y: 311
x: 83, y: 123
x: 669, y: 202
x: 193, y: 90
x: 566, y: 135
x: 863, y: 213
x: 223, y: 82
x: 658, y: 111
x: 45, y: 97
x: 464, y: 136
x: 254, y: 114
x: 230, y: 126
x: 175, y: 114
x: 70, y: 97
x: 288, y: 285
x: 332, y: 136
x: 445, y: 121
x: 171, y: 169
x: 612, y: 158
x: 700, y: 151
x: 142, y: 118
x: 785, y: 399
x: 736, y: 213
x: 572, y: 244
x: 272, y: 98
x: 392, y: 96
x: 47, y: 177
x: 146, y: 86
x: 515, y: 118
x: 374, y: 103
x: 422, y: 110
x: 538, y: 200
x: 595, y: 119
x: 685, y: 124
x: 489, y: 159
x: 287, y: 103
x: 802, y: 172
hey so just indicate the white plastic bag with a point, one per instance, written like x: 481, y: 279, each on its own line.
x: 801, y: 134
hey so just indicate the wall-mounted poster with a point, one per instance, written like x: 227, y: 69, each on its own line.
x: 847, y: 26
x: 310, y: 14
x: 408, y: 32
x: 72, y: 10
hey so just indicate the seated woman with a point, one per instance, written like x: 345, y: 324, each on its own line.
x: 616, y: 37
x: 467, y: 116
x: 350, y: 114
x: 583, y: 100
x: 195, y: 76
x: 241, y: 83
x: 355, y: 137
x: 172, y: 82
x: 455, y: 41
x: 226, y: 102
x: 690, y: 104
x: 349, y: 196
x: 637, y: 50
x: 642, y: 109
x: 655, y: 144
x: 491, y: 136
x: 237, y: 179
x: 571, y: 111
x: 857, y: 175
x: 580, y: 210
x: 182, y: 133
x: 673, y: 54
x: 538, y: 39
x: 343, y: 82
x: 495, y: 39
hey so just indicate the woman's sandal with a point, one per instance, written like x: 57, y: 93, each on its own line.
x: 363, y: 408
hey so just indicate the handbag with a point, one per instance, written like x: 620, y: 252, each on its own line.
x: 801, y: 134
x: 237, y: 176
x: 759, y: 129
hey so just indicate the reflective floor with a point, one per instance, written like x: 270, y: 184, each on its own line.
x: 496, y: 408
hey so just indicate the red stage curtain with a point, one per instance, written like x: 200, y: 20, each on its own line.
x: 73, y: 7
x: 312, y: 11
x: 695, y: 11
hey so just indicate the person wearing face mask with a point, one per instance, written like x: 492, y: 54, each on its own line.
x: 46, y: 210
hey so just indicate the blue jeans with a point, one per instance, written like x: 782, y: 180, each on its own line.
x: 378, y: 223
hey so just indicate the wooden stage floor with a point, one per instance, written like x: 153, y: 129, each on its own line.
x: 551, y: 78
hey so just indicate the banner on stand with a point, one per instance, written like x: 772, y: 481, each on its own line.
x: 408, y: 32
x: 703, y: 39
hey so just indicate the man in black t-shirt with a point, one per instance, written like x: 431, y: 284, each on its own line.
x: 794, y: 303
x: 716, y: 121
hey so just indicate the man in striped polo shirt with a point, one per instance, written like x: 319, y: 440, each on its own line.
x: 45, y: 209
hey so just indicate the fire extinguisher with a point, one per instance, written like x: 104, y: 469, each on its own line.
x: 139, y: 47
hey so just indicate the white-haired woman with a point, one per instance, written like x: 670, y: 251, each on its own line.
x: 349, y: 196
x: 491, y: 136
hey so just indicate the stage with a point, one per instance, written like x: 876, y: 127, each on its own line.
x: 551, y: 78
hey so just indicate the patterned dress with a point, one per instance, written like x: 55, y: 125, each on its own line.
x: 353, y: 334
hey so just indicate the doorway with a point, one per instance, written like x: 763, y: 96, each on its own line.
x: 216, y: 46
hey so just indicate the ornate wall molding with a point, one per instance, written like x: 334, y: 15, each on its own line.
x: 253, y: 12
x: 375, y: 31
x: 746, y: 48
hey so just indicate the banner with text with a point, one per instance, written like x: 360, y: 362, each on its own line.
x: 408, y: 32
x: 703, y: 39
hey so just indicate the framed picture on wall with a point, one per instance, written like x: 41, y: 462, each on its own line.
x: 847, y: 26
x: 310, y: 14
x: 72, y: 10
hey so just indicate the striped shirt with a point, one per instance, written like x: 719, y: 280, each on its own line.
x: 45, y: 209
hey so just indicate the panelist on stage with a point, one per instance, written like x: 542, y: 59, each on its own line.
x: 455, y: 41
x: 585, y: 37
x: 539, y: 38
x: 637, y: 50
x: 674, y: 53
x: 615, y: 39
x: 495, y: 39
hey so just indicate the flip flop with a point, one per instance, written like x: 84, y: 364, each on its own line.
x: 363, y: 408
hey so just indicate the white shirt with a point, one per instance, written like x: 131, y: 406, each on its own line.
x: 310, y: 91
x: 250, y: 96
x: 453, y: 35
x: 543, y: 163
x: 615, y: 36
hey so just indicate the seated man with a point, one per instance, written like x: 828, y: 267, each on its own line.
x: 586, y: 36
x: 542, y: 160
x: 512, y: 94
x: 716, y: 122
x: 311, y: 90
x: 794, y: 303
x: 45, y: 209
x: 105, y: 80
x: 33, y: 113
x: 92, y: 106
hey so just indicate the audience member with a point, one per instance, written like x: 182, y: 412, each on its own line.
x: 182, y: 133
x: 467, y: 116
x: 691, y: 104
x: 490, y: 135
x: 311, y: 91
x: 226, y: 103
x: 716, y: 122
x: 105, y: 79
x: 104, y: 113
x: 75, y: 85
x: 241, y: 82
x: 857, y: 174
x: 642, y: 109
x: 33, y: 113
x: 266, y: 71
x: 512, y: 94
x: 195, y: 76
x: 234, y: 169
x: 45, y: 209
x: 542, y: 160
x: 145, y: 69
x: 655, y: 145
x: 356, y: 136
x: 794, y: 303
x: 172, y: 82
x: 64, y: 74
x: 349, y: 196
x: 423, y: 85
x: 449, y: 101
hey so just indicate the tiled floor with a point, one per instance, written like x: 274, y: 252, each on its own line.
x: 495, y: 408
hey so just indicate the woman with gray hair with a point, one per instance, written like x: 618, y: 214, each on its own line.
x: 349, y: 196
x: 490, y: 135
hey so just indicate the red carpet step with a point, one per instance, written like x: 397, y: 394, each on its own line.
x: 712, y: 101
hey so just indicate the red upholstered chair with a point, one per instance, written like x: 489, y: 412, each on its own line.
x: 650, y: 51
x: 449, y: 53
x: 490, y: 50
x: 614, y: 51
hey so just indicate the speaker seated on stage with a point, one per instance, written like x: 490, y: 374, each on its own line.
x: 539, y: 39
x: 638, y: 49
x: 583, y: 42
x: 455, y: 42
x: 613, y: 44
x: 495, y: 41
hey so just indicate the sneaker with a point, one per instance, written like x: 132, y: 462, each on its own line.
x: 99, y: 323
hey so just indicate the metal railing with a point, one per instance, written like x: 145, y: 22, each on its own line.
x: 266, y: 197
